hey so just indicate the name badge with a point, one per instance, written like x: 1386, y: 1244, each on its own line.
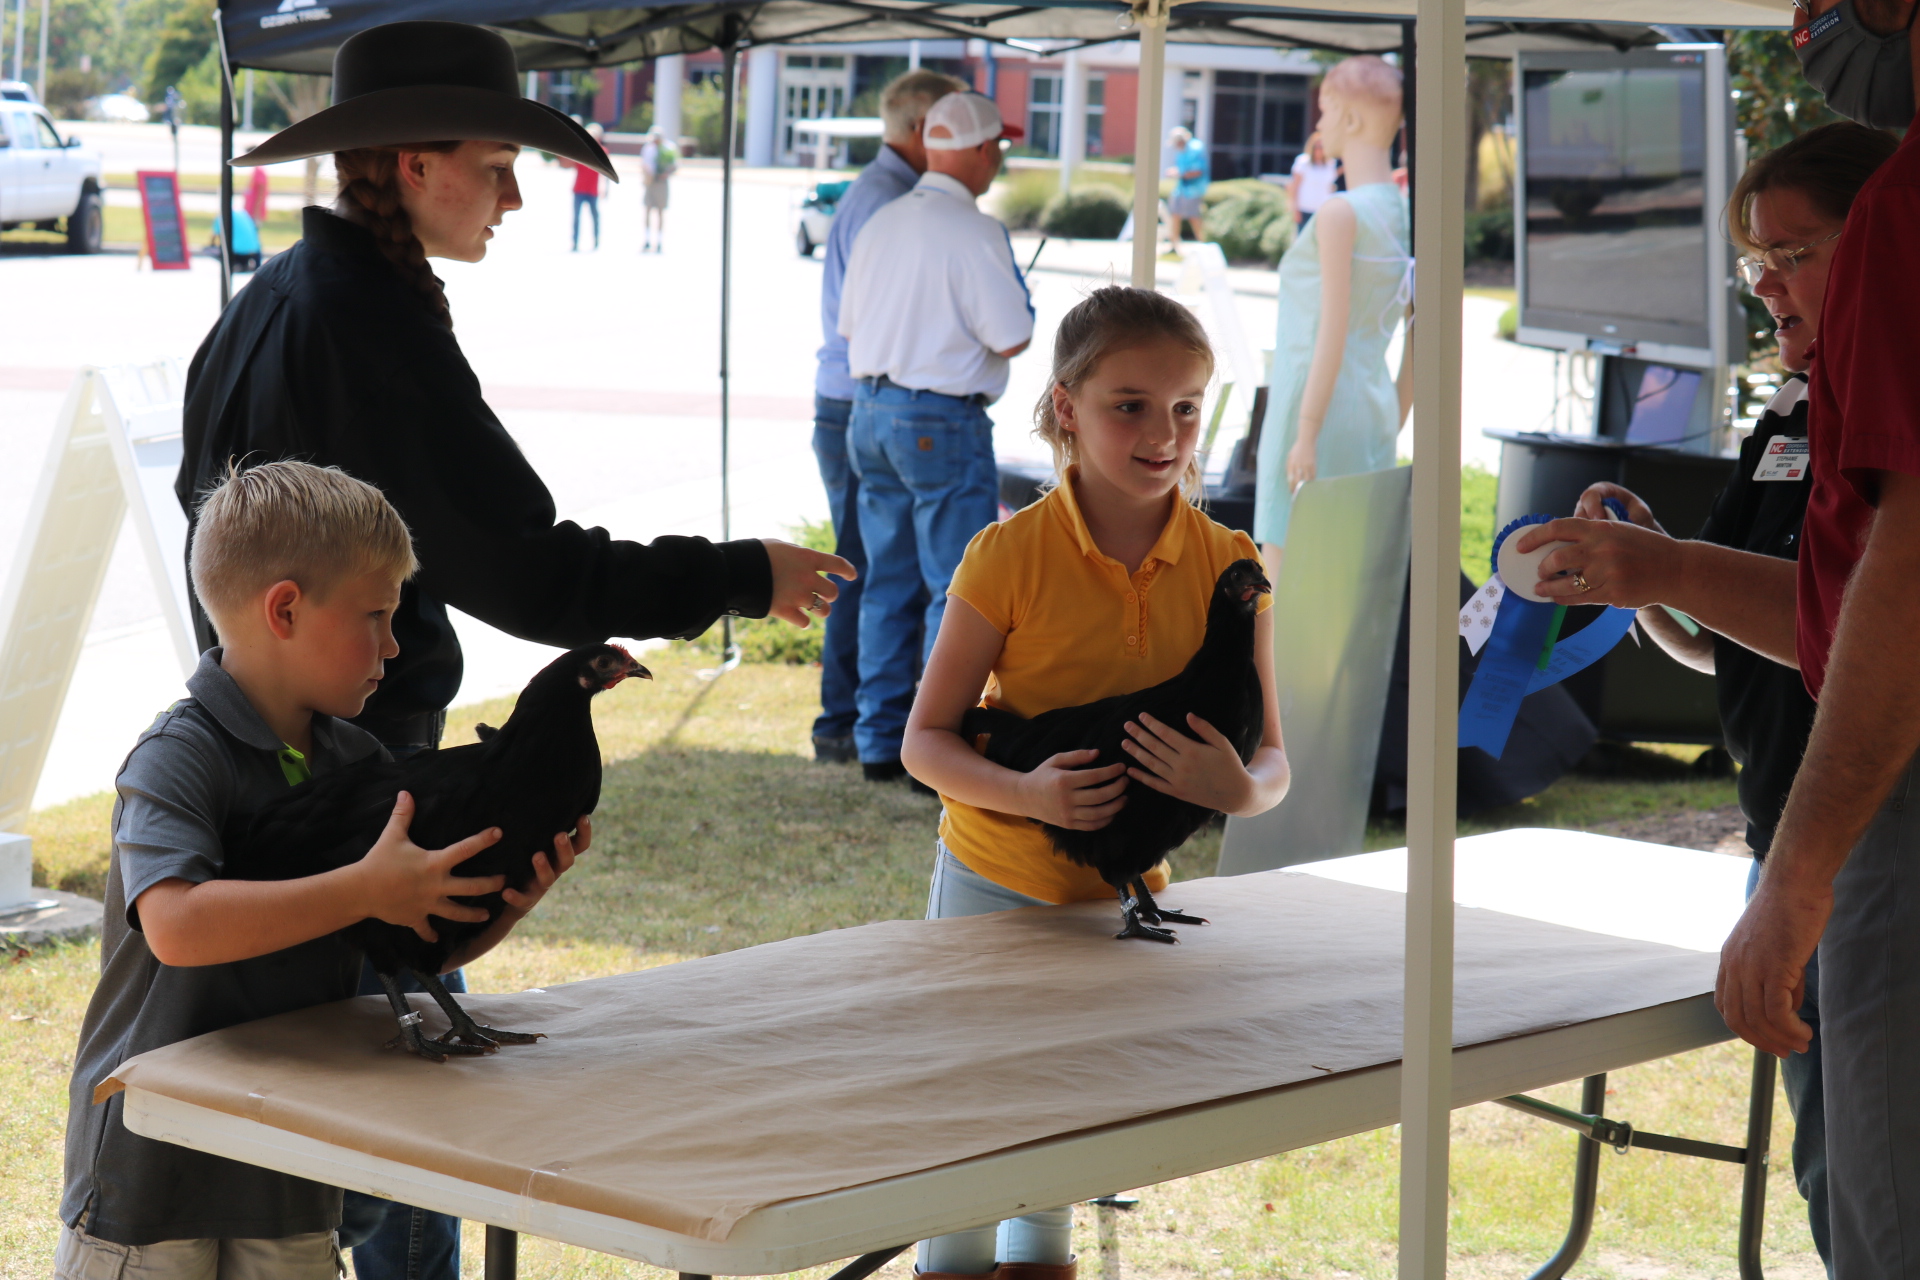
x: 1785, y: 459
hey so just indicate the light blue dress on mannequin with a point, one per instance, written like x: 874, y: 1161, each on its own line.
x: 1363, y: 417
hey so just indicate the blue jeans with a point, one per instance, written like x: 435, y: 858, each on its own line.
x: 1800, y: 1076
x: 1046, y: 1236
x: 592, y: 204
x: 390, y: 1240
x: 840, y: 650
x: 927, y: 485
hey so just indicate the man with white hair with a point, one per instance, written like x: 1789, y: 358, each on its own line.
x: 933, y: 308
x: 890, y: 175
x: 1191, y: 176
x: 659, y: 157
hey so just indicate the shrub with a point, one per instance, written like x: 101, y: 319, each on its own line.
x: 1276, y: 240
x: 639, y: 119
x: 1238, y: 189
x: 1021, y: 197
x: 769, y: 639
x: 700, y: 116
x: 68, y: 89
x: 1490, y: 235
x: 1085, y: 213
x: 1238, y: 225
x: 1240, y: 218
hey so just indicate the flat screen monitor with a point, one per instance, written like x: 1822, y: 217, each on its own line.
x: 1623, y: 163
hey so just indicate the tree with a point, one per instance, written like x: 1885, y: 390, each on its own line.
x: 1489, y: 100
x: 186, y: 38
x: 1774, y: 102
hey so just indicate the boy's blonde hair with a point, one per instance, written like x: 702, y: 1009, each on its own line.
x: 292, y: 520
x: 1108, y: 319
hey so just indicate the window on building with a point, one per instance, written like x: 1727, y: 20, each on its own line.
x: 1096, y: 112
x: 1259, y: 123
x: 1046, y: 100
x: 1045, y: 92
x: 811, y: 86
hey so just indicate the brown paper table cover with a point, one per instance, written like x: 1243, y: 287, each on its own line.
x: 688, y: 1096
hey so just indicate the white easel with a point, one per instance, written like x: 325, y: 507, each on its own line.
x: 115, y: 452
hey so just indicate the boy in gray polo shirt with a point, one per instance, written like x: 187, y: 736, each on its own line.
x: 300, y: 568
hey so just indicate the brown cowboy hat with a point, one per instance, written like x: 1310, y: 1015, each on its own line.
x: 428, y: 82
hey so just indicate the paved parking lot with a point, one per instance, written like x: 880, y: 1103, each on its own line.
x: 603, y: 365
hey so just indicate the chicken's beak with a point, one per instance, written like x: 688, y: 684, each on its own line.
x: 1259, y: 587
x: 635, y: 669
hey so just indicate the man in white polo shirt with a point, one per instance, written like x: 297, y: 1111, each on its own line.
x: 932, y: 309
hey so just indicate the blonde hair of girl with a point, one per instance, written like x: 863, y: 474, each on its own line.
x: 1111, y: 319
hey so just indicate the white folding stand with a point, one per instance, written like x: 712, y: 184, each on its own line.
x: 115, y: 451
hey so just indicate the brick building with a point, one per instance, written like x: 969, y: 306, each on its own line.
x: 1253, y: 107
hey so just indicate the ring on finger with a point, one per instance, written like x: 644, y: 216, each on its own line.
x: 1580, y: 582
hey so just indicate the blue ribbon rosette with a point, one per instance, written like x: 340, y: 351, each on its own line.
x: 1524, y: 653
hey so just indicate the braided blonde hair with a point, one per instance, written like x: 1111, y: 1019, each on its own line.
x: 369, y: 196
x: 1106, y: 320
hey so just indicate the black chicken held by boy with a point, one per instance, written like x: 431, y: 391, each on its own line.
x: 536, y: 775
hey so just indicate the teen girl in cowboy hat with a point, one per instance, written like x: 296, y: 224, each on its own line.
x: 341, y: 352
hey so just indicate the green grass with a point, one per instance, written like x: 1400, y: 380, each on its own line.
x: 208, y: 184
x: 122, y: 225
x: 1477, y: 489
x: 717, y: 831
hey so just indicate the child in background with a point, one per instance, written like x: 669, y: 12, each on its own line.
x: 586, y: 193
x: 300, y: 568
x: 1100, y: 588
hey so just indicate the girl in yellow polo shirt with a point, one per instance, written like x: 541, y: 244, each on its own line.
x: 1099, y: 588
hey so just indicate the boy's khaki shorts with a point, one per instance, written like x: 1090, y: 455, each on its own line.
x: 309, y: 1257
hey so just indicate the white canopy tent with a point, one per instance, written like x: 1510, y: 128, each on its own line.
x: 558, y: 34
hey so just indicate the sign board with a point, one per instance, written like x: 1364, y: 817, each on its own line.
x: 115, y: 452
x: 1336, y: 619
x: 166, y: 224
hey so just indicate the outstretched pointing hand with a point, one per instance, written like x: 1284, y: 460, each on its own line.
x: 800, y: 594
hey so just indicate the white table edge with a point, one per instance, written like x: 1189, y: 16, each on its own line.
x: 1061, y: 1170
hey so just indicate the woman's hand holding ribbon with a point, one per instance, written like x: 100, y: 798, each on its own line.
x: 1604, y: 562
x: 1592, y: 505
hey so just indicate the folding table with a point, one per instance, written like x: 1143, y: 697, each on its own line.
x: 1600, y: 951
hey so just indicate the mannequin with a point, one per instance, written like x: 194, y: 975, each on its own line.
x: 1333, y: 408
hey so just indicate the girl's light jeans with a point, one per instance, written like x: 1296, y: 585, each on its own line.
x: 1035, y: 1237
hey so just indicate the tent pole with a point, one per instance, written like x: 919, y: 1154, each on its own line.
x: 729, y: 58
x: 1426, y: 1079
x: 226, y: 163
x: 1150, y: 16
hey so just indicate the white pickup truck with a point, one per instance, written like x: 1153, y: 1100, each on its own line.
x: 47, y: 180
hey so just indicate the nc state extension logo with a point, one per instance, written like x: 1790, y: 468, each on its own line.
x: 1801, y: 38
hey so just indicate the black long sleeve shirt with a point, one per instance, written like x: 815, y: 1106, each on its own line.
x: 330, y: 357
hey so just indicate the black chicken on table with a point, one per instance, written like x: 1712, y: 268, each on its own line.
x: 534, y: 776
x: 1220, y: 684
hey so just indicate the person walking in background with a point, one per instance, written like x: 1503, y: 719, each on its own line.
x: 586, y: 193
x: 1191, y: 176
x: 1312, y: 184
x: 933, y: 308
x: 890, y: 175
x: 659, y: 157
